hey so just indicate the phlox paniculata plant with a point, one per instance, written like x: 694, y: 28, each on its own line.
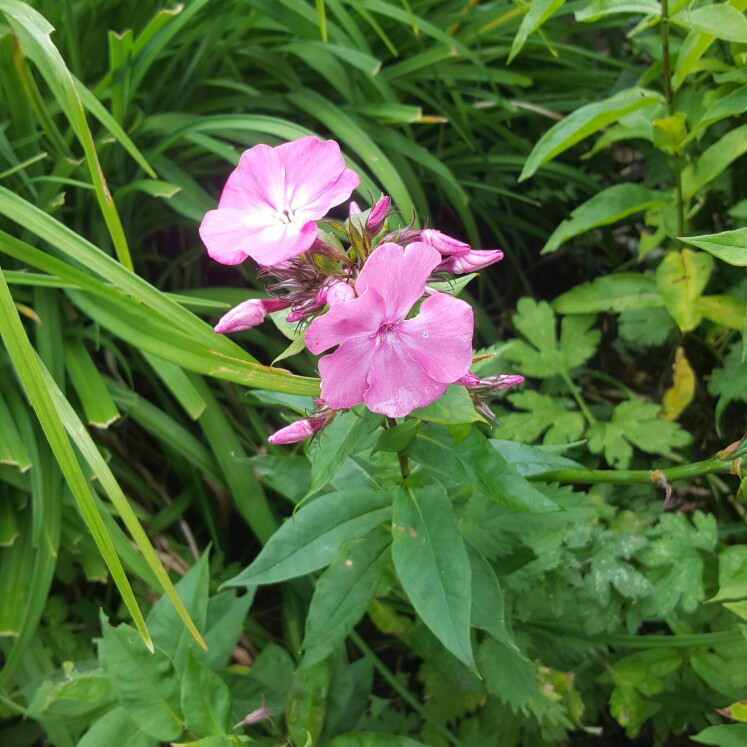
x: 397, y: 342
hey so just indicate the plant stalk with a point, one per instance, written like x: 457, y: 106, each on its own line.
x: 669, y: 96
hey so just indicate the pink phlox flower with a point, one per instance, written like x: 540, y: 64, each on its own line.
x: 271, y: 201
x: 474, y: 260
x: 392, y: 363
x: 249, y: 314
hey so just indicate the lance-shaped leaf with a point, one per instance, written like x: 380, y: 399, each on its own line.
x: 681, y: 278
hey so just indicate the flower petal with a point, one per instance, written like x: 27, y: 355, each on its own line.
x: 344, y: 373
x: 348, y: 320
x: 232, y: 235
x: 398, y: 385
x: 316, y: 178
x: 439, y: 338
x: 257, y: 183
x: 398, y: 275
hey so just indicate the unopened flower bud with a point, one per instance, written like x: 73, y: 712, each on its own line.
x: 354, y: 209
x: 445, y: 244
x: 378, y: 215
x: 472, y: 262
x: 298, y: 431
x: 249, y: 314
x: 339, y: 293
x: 499, y: 383
x: 469, y: 379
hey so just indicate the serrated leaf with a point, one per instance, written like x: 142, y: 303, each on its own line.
x: 542, y: 415
x: 583, y: 122
x: 314, y: 535
x: 547, y: 355
x: 728, y: 246
x: 609, y: 206
x: 729, y: 383
x: 681, y: 278
x: 682, y: 391
x: 732, y: 573
x: 432, y: 565
x: 635, y: 423
x: 342, y: 594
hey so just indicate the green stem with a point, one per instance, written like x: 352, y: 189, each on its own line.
x: 669, y: 95
x: 404, y: 464
x: 622, y: 640
x: 642, y: 476
x: 400, y: 689
x: 590, y: 419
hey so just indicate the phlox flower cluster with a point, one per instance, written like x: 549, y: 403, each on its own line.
x: 392, y: 340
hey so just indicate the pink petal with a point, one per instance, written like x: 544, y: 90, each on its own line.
x: 232, y: 235
x: 398, y: 275
x: 397, y: 383
x: 439, y: 338
x: 344, y: 373
x: 257, y: 183
x: 349, y: 320
x: 316, y: 178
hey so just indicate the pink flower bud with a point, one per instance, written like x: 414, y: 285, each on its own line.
x: 378, y: 215
x: 339, y: 293
x: 499, y: 383
x: 443, y: 243
x: 469, y: 379
x: 259, y: 714
x: 249, y: 314
x: 354, y: 209
x: 472, y: 262
x: 298, y: 431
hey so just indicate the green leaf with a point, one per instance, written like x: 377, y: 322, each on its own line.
x: 305, y: 708
x: 529, y: 461
x: 727, y: 311
x: 116, y: 729
x: 314, y: 535
x: 681, y: 278
x: 453, y: 408
x: 600, y: 8
x: 728, y: 246
x: 635, y: 423
x: 547, y: 355
x: 80, y: 694
x: 729, y: 383
x: 488, y: 611
x: 610, y: 293
x: 373, y: 739
x: 97, y: 403
x: 539, y: 11
x: 205, y: 699
x: 542, y: 415
x: 475, y: 464
x: 342, y: 594
x: 433, y: 567
x: 732, y: 573
x: 718, y: 19
x: 609, y: 206
x: 145, y: 683
x: 714, y: 161
x: 397, y: 437
x: 732, y: 104
x: 339, y: 439
x: 725, y: 735
x: 584, y: 122
x: 670, y: 133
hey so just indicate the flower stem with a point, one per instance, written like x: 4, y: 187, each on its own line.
x: 404, y: 464
x: 643, y: 476
x: 669, y: 96
x: 590, y: 419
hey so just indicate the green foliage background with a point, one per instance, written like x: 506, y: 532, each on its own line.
x: 599, y: 143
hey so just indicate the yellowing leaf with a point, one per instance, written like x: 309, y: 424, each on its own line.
x: 681, y: 278
x: 681, y: 393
